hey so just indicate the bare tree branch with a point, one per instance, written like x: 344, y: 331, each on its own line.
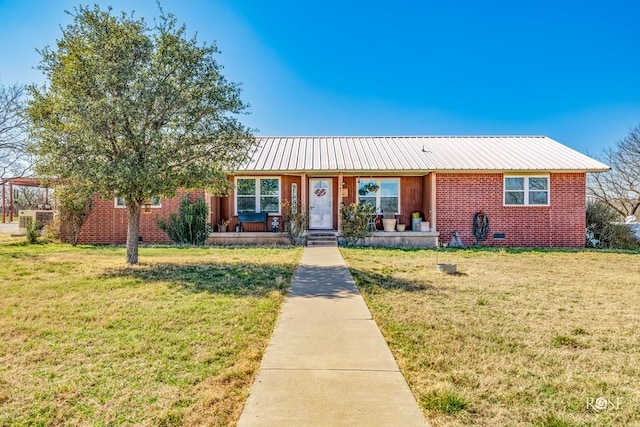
x: 14, y: 159
x: 620, y: 187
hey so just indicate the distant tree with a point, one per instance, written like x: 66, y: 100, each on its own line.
x: 620, y: 187
x: 14, y: 160
x: 137, y: 110
x: 27, y: 197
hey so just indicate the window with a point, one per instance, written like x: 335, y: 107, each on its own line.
x: 526, y: 190
x: 384, y: 194
x: 155, y: 202
x: 258, y: 195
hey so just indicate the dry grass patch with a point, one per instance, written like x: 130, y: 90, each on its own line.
x: 518, y: 338
x: 176, y: 340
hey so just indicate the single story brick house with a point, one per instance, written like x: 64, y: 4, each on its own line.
x: 531, y: 188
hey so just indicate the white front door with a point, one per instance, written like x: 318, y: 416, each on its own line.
x: 320, y: 203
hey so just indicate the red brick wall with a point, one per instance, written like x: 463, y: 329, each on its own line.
x: 108, y: 224
x: 562, y: 224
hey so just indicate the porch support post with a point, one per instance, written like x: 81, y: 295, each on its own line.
x: 10, y: 201
x: 340, y: 184
x: 432, y: 198
x: 4, y: 204
x: 303, y: 193
x: 207, y: 201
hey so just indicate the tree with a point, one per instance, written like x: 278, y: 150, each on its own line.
x: 137, y: 110
x: 620, y: 187
x: 28, y: 197
x: 14, y: 160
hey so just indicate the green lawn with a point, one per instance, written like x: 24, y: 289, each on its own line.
x: 517, y: 338
x: 86, y: 340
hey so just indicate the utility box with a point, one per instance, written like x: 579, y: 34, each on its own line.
x: 26, y: 217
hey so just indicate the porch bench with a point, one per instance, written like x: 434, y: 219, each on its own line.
x: 262, y: 217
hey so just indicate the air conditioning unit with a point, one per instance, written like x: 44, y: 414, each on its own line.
x: 26, y: 217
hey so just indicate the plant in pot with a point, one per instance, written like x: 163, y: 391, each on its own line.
x: 224, y: 224
x: 367, y: 188
x: 371, y: 187
x: 416, y: 219
x: 388, y: 220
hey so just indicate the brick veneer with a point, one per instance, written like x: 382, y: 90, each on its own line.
x: 108, y: 224
x: 562, y: 224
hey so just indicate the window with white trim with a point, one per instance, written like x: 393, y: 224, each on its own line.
x: 526, y: 190
x: 155, y: 202
x: 258, y: 195
x: 384, y: 194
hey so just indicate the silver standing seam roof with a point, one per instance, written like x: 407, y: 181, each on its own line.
x: 406, y: 154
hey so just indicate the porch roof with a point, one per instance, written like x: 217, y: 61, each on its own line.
x: 408, y: 154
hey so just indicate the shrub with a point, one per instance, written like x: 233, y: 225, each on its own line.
x: 33, y: 230
x: 355, y: 221
x: 189, y: 225
x: 295, y: 222
x: 604, y: 229
x: 51, y: 230
x: 74, y: 201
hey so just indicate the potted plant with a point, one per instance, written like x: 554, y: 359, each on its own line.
x: 368, y: 188
x: 371, y: 187
x: 416, y: 219
x: 222, y: 227
x: 388, y: 220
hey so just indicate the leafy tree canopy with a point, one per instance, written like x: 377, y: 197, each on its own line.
x: 138, y: 110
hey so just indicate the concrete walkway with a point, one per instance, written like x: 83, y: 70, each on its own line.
x: 8, y: 227
x: 327, y: 363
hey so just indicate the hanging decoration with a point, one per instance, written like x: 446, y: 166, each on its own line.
x: 480, y: 227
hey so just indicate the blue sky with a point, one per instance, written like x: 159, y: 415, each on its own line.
x: 566, y: 69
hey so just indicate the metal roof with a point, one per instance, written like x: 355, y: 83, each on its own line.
x: 388, y: 154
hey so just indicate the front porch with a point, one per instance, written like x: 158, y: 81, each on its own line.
x: 390, y: 239
x: 403, y: 239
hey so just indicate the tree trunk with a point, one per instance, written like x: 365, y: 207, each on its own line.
x: 133, y: 231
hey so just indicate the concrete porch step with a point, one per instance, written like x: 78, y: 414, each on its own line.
x: 322, y: 238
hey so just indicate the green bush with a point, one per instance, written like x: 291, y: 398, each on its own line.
x: 74, y: 200
x: 604, y: 229
x: 33, y: 230
x: 189, y: 225
x: 355, y: 221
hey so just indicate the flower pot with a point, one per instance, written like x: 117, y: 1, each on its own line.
x: 424, y: 226
x: 415, y: 223
x: 222, y: 228
x: 389, y: 224
x: 400, y: 227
